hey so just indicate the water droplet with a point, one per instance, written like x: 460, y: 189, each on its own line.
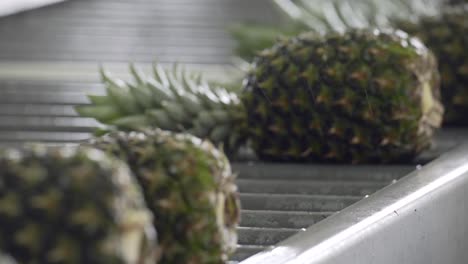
x: 366, y: 196
x: 303, y: 229
x: 418, y: 167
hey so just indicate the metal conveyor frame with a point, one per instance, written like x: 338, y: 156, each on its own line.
x: 421, y: 219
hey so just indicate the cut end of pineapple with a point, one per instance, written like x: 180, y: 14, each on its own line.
x: 432, y: 108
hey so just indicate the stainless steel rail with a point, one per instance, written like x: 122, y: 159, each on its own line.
x: 423, y: 218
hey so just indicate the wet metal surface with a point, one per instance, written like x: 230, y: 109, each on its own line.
x: 281, y: 219
x: 309, y: 187
x: 420, y: 219
x: 296, y: 202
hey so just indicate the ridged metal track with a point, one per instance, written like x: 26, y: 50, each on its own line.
x: 188, y: 31
x: 278, y: 200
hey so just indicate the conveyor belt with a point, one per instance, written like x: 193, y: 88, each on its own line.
x: 282, y: 199
x: 279, y: 200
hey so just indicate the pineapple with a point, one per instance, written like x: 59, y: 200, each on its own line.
x: 443, y: 29
x: 327, y: 16
x: 447, y: 36
x: 72, y: 206
x: 359, y: 96
x: 189, y: 186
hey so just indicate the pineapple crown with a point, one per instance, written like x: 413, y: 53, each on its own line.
x: 322, y: 17
x: 341, y: 15
x: 174, y: 100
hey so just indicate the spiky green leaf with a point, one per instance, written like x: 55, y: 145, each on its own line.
x: 131, y: 122
x: 102, y: 113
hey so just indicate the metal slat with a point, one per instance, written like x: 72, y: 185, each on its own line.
x: 42, y: 98
x: 264, y: 236
x: 21, y: 86
x: 23, y: 110
x: 245, y: 251
x: 309, y: 187
x: 32, y: 136
x: 275, y: 171
x: 281, y: 219
x: 47, y: 124
x: 296, y: 202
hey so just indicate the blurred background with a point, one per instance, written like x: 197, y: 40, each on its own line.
x: 49, y: 56
x: 140, y: 30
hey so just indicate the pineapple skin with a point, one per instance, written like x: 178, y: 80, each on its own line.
x: 447, y: 36
x: 72, y: 206
x: 189, y: 186
x: 361, y: 96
